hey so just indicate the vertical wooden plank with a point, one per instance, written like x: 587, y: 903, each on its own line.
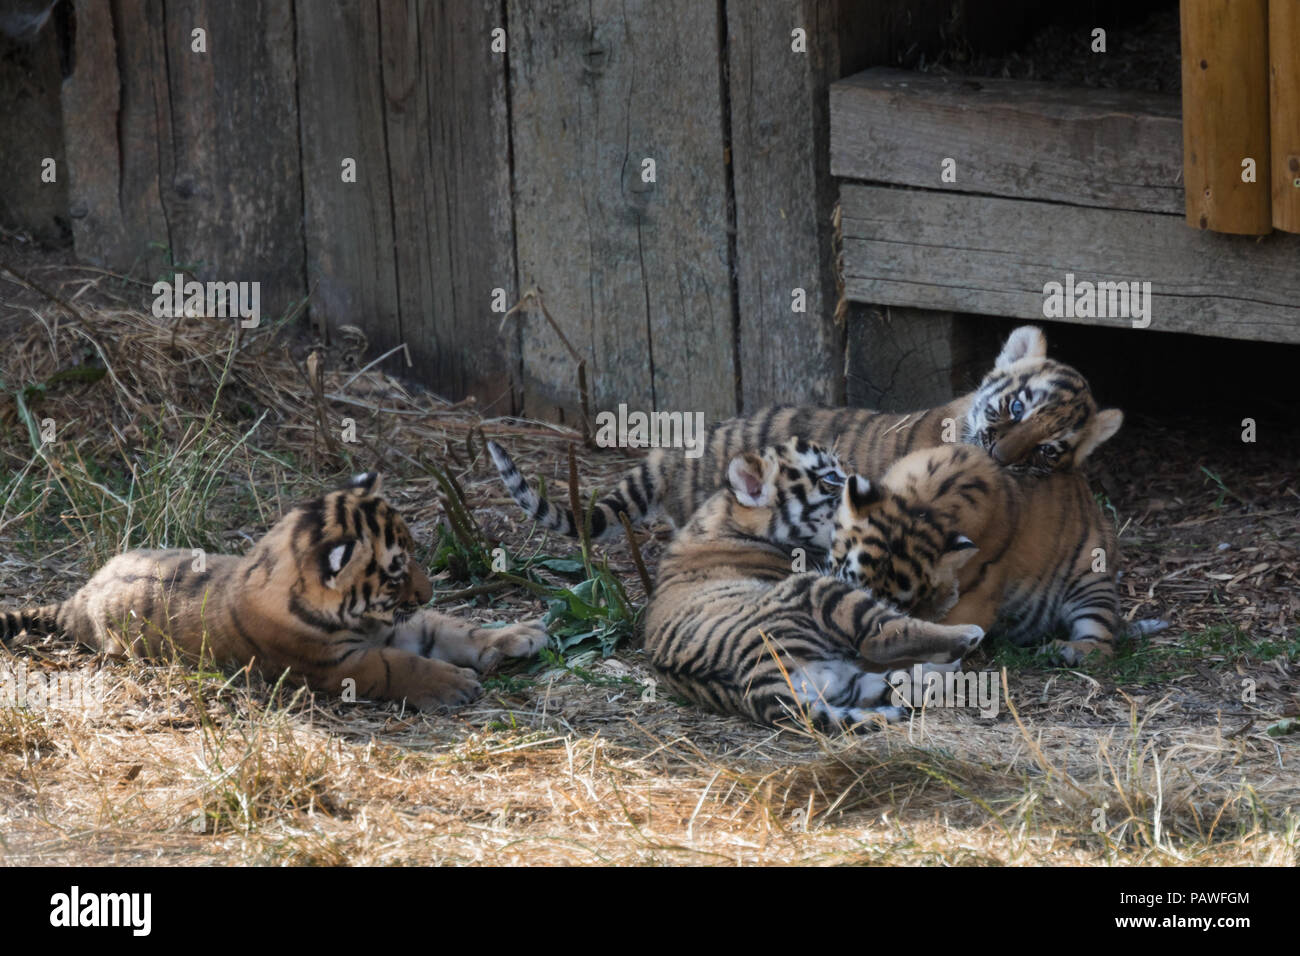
x: 31, y: 116
x: 448, y: 154
x: 194, y: 151
x: 637, y: 273
x: 784, y: 199
x: 1225, y: 114
x: 232, y: 194
x: 91, y: 101
x: 144, y: 136
x: 351, y: 264
x: 1284, y: 109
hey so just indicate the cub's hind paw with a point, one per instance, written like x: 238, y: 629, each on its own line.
x: 455, y: 687
x: 1075, y: 653
x: 974, y: 634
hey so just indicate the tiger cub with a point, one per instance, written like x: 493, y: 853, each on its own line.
x: 326, y: 594
x: 732, y: 628
x: 1031, y: 414
x: 1047, y: 553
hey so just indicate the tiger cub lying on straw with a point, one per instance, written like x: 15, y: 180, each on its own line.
x: 325, y: 595
x: 1047, y: 553
x: 732, y: 628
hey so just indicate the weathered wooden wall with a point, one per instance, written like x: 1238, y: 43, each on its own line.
x: 483, y: 173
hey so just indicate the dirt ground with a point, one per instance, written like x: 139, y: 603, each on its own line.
x: 1179, y: 751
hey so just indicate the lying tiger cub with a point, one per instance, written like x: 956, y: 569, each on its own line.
x: 325, y: 595
x: 734, y: 629
x: 1047, y: 554
x: 1031, y: 414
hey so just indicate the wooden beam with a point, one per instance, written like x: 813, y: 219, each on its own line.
x: 1093, y: 147
x: 1284, y: 110
x: 1225, y: 114
x: 994, y: 256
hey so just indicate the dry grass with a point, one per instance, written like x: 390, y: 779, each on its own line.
x: 584, y: 763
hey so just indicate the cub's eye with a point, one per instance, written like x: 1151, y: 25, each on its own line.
x: 1049, y: 452
x: 1017, y: 409
x: 832, y: 479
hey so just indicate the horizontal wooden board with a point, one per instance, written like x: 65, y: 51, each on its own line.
x: 1117, y: 149
x: 994, y: 256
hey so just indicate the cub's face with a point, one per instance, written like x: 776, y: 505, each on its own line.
x: 1034, y: 415
x: 795, y: 486
x: 898, y: 552
x: 361, y: 555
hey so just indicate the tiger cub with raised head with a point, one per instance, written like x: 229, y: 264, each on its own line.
x: 329, y: 594
x: 734, y: 629
x: 1031, y: 414
x: 1046, y: 557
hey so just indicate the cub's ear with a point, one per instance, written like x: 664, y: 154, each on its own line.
x: 748, y: 475
x: 334, y: 557
x: 366, y: 483
x: 1027, y: 341
x: 859, y: 495
x: 1104, y: 427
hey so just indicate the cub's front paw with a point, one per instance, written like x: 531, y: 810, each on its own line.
x: 451, y: 687
x: 514, y: 640
x: 959, y: 640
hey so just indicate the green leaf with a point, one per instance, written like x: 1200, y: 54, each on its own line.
x: 562, y: 565
x: 1287, y: 725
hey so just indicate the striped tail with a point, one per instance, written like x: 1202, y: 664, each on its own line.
x: 634, y: 496
x: 36, y: 620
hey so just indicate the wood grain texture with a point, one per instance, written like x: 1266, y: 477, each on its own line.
x: 1091, y: 147
x: 228, y: 179
x: 448, y: 153
x: 184, y: 157
x: 1284, y: 111
x: 899, y: 359
x: 90, y: 101
x: 994, y: 256
x: 637, y: 274
x: 784, y: 197
x: 351, y: 260
x: 1225, y: 114
x: 32, y: 119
